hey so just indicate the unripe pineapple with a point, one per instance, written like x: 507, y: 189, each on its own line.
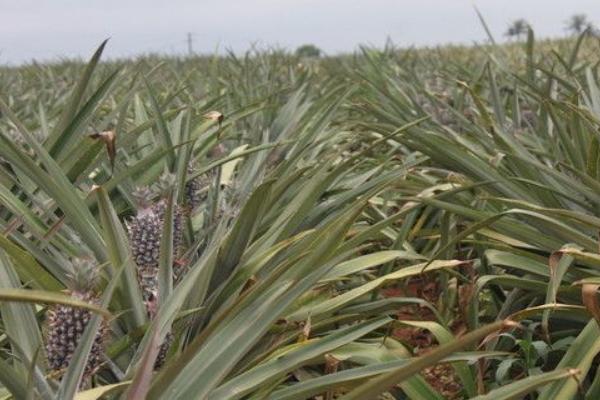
x: 145, y: 234
x: 196, y: 190
x: 66, y: 324
x: 145, y: 231
x: 164, y: 350
x: 152, y: 308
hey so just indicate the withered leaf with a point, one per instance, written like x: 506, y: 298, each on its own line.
x: 109, y: 138
x: 215, y: 116
x: 589, y: 295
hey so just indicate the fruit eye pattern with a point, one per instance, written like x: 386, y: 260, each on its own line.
x: 66, y: 324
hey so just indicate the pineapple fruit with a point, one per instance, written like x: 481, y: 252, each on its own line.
x: 196, y: 190
x: 66, y: 324
x: 145, y: 233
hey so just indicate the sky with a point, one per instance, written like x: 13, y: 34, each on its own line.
x: 52, y: 29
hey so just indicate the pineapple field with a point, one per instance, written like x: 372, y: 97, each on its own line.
x: 392, y: 224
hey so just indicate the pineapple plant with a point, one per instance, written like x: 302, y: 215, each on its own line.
x: 144, y: 231
x: 145, y: 234
x: 66, y: 324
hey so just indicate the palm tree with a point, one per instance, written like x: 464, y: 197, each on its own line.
x: 578, y: 23
x: 518, y: 28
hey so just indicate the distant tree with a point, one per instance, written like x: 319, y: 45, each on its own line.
x: 308, y: 51
x: 578, y: 23
x: 518, y: 28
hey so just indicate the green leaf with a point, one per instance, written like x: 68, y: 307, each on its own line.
x: 13, y: 380
x: 165, y: 261
x: 289, y: 359
x: 75, y: 100
x: 29, y: 270
x: 53, y: 181
x: 579, y: 357
x: 356, y: 376
x: 119, y: 254
x: 43, y: 297
x: 368, y: 261
x: 163, y: 129
x: 19, y: 320
x: 101, y: 391
x: 519, y: 388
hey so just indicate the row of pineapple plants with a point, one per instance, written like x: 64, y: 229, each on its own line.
x: 261, y: 270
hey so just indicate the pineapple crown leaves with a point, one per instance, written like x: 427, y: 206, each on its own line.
x: 84, y: 275
x: 166, y: 183
x: 143, y: 197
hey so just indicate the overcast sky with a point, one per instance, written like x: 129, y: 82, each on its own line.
x: 49, y: 29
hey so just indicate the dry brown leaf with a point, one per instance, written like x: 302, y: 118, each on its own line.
x: 215, y: 116
x: 110, y: 139
x: 589, y: 295
x: 306, y: 328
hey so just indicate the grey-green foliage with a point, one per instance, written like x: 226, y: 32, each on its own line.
x: 326, y: 184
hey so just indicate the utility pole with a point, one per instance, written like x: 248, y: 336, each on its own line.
x: 189, y: 44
